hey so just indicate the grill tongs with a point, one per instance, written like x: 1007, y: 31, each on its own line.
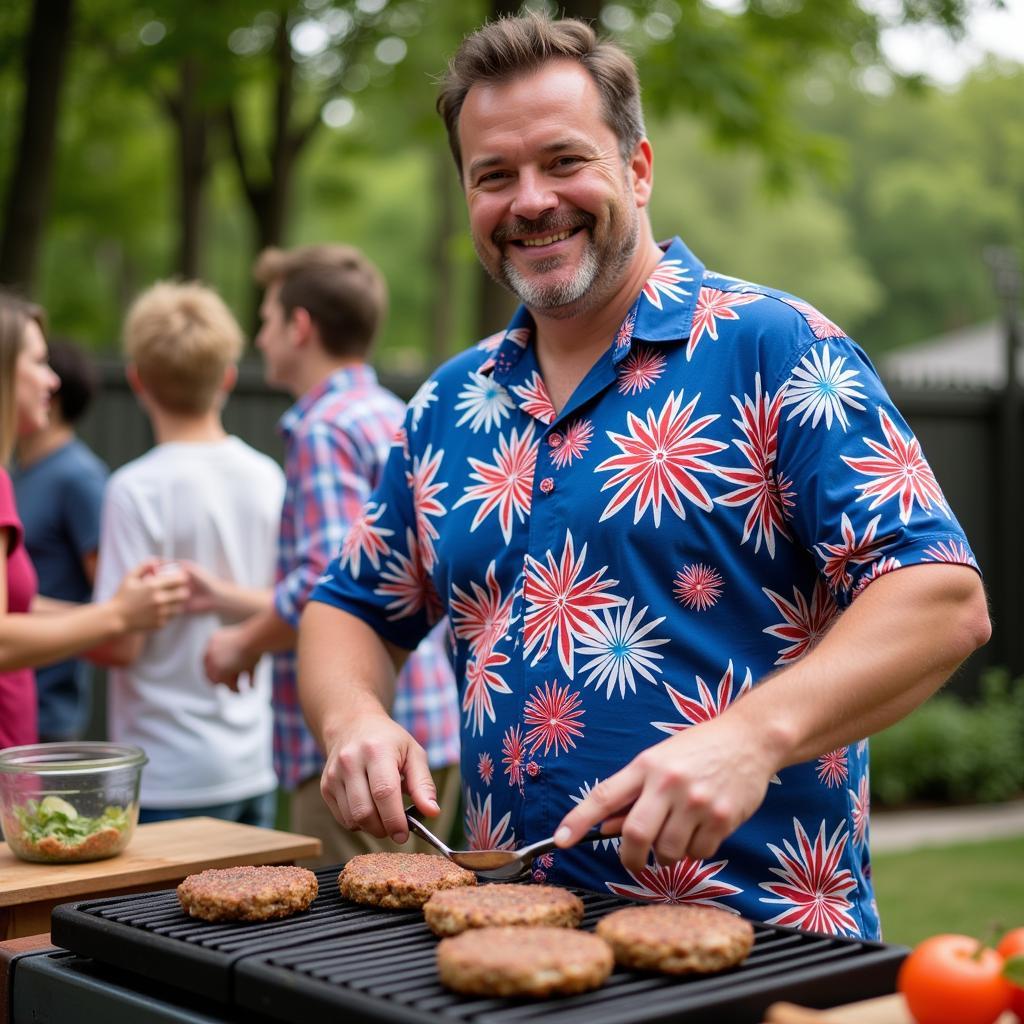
x: 502, y: 865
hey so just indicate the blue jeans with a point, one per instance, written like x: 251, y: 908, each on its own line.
x: 256, y: 810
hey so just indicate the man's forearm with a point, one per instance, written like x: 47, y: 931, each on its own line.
x: 886, y: 654
x: 345, y: 670
x: 266, y: 633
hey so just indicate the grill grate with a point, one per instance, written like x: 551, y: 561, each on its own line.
x: 380, y: 966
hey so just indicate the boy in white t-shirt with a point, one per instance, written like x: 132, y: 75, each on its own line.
x: 198, y: 496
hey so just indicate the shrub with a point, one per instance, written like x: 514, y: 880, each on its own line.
x: 951, y: 751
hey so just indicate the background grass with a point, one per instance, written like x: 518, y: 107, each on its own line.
x: 966, y: 888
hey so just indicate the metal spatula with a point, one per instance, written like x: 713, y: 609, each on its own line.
x: 497, y: 864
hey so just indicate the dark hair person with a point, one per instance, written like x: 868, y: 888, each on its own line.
x: 34, y: 630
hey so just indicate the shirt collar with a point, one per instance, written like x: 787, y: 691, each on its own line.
x: 362, y: 375
x: 662, y: 312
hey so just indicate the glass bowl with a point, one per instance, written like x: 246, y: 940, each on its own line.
x: 69, y: 802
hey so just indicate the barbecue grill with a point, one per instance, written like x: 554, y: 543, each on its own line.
x: 365, y: 964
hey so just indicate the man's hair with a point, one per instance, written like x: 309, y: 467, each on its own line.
x: 513, y: 46
x: 77, y: 379
x: 341, y: 290
x: 181, y: 338
x: 15, y: 315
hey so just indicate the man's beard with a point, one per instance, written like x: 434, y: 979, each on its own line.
x: 577, y: 294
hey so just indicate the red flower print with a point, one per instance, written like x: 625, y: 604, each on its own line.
x: 575, y: 441
x: 639, y: 370
x: 555, y: 715
x: 687, y: 881
x: 714, y: 305
x: 698, y: 586
x: 805, y: 621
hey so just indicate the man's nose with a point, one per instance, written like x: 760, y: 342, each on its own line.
x: 533, y: 195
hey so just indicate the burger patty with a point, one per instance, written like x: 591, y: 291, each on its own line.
x: 247, y: 893
x: 399, y: 880
x: 677, y: 939
x: 520, y: 962
x: 455, y: 910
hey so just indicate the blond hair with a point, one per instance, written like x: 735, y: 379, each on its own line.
x: 343, y: 292
x: 15, y: 315
x: 182, y: 338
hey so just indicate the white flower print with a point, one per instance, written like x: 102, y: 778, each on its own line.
x: 485, y: 403
x: 619, y: 650
x: 422, y: 400
x: 820, y: 388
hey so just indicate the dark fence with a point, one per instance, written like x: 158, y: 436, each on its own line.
x: 963, y: 435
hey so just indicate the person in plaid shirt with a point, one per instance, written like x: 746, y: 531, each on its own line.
x: 320, y: 312
x: 692, y: 554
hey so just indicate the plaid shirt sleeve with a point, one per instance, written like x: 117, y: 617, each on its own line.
x: 328, y: 484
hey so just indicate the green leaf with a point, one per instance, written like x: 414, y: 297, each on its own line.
x: 1013, y: 970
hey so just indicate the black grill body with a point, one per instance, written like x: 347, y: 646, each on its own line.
x: 377, y: 965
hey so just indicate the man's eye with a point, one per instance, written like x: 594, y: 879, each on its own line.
x: 491, y: 177
x: 568, y: 161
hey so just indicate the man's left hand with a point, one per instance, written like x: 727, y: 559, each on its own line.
x: 682, y: 797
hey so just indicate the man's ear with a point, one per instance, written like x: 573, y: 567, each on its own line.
x: 230, y: 379
x: 302, y: 326
x: 641, y: 170
x: 131, y: 372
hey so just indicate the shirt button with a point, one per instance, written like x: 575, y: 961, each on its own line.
x: 555, y: 440
x: 547, y: 485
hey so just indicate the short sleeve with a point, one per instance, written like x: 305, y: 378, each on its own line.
x: 379, y: 575
x: 124, y: 541
x: 851, y: 477
x: 9, y: 518
x: 83, y: 505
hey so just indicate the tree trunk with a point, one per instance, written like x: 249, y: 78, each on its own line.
x: 28, y: 192
x: 192, y: 122
x: 439, y: 257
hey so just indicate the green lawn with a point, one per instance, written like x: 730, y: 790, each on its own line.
x: 965, y: 888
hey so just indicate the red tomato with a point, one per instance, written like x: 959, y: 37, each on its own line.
x: 946, y: 980
x: 1012, y: 944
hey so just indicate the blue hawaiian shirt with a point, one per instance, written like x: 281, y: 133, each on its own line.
x: 727, y: 478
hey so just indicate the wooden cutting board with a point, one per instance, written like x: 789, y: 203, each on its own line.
x: 159, y: 856
x: 884, y: 1010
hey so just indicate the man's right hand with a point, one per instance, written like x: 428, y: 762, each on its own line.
x: 227, y: 658
x: 368, y: 767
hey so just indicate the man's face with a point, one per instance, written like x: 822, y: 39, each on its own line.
x: 552, y: 208
x: 274, y: 339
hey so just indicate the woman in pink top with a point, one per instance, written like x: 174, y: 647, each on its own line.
x: 37, y: 630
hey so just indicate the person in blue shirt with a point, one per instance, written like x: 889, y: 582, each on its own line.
x: 58, y: 484
x: 691, y: 553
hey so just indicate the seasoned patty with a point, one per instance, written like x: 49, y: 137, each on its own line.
x: 249, y: 893
x: 455, y: 910
x: 399, y: 880
x: 677, y: 939
x: 523, y: 962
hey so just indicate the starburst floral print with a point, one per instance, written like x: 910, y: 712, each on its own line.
x: 561, y: 603
x: 513, y: 755
x: 813, y: 887
x: 484, y: 403
x: 534, y: 399
x: 480, y: 618
x: 879, y: 568
x: 625, y: 332
x: 405, y: 580
x: 860, y: 808
x: 425, y: 489
x: 714, y: 305
x: 897, y: 470
x: 666, y: 282
x: 806, y: 621
x: 698, y: 586
x: 832, y: 767
x: 620, y: 649
x: 555, y: 715
x: 659, y: 459
x: 366, y: 537
x: 839, y: 557
x: 480, y: 833
x: 505, y: 485
x: 686, y: 881
x: 482, y: 682
x: 709, y: 705
x: 485, y: 767
x: 424, y: 398
x: 820, y: 325
x: 953, y: 551
x: 758, y: 487
x: 639, y: 370
x: 573, y: 444
x: 820, y: 388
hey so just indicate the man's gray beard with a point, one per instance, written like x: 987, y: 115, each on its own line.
x: 551, y: 298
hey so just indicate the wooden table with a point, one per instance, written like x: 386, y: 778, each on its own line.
x: 159, y: 856
x: 884, y: 1010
